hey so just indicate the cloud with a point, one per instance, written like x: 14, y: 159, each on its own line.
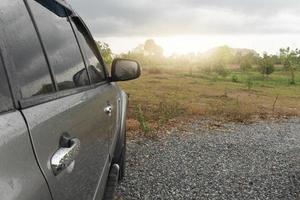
x: 113, y: 18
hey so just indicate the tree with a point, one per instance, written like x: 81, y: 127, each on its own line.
x: 152, y: 49
x: 148, y: 54
x: 222, y: 55
x: 266, y: 67
x: 290, y: 60
x: 106, y: 52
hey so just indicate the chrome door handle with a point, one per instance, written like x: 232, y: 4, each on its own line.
x: 64, y: 156
x: 108, y: 110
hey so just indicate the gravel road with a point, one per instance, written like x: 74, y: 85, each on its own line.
x: 233, y: 161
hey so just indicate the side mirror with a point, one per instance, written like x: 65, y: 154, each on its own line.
x: 80, y: 78
x: 124, y: 70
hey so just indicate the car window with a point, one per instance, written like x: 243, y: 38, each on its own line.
x: 5, y: 96
x: 31, y: 69
x: 87, y: 44
x: 60, y: 44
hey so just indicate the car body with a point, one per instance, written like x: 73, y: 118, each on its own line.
x: 62, y: 116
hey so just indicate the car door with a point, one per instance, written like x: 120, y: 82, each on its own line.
x: 20, y: 176
x: 67, y: 117
x: 95, y: 66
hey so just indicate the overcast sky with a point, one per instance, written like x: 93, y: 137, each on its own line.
x: 184, y: 26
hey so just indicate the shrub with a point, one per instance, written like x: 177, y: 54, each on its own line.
x: 266, y: 67
x: 220, y: 70
x: 234, y: 78
x: 245, y: 65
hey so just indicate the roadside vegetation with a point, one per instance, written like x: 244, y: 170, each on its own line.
x: 224, y: 83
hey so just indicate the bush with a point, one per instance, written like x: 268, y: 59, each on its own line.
x: 234, y: 78
x: 266, y: 67
x: 220, y: 70
x: 245, y: 65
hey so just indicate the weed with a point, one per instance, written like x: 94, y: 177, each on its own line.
x: 139, y: 114
x: 249, y: 82
x: 168, y: 110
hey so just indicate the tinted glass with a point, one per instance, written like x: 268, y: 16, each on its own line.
x: 60, y: 43
x: 87, y: 44
x: 23, y: 46
x: 5, y: 97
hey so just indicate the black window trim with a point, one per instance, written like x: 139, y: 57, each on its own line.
x: 40, y: 99
x: 98, y: 54
x: 81, y: 52
x: 54, y: 83
x: 44, y: 98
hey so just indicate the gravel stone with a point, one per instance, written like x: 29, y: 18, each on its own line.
x: 236, y: 161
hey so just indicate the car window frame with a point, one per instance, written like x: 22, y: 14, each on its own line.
x: 44, y: 98
x: 12, y: 107
x: 95, y: 47
x: 10, y: 70
x: 54, y: 75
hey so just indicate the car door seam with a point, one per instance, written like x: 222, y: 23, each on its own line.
x: 35, y: 154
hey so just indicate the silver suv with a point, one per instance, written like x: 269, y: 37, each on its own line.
x: 62, y: 116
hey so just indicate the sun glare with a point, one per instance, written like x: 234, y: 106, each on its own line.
x: 185, y: 44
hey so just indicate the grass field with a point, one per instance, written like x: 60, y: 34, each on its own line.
x: 160, y: 97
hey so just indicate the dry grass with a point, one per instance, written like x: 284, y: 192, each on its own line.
x: 163, y: 96
x: 154, y: 70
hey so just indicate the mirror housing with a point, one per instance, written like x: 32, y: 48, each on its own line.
x: 124, y: 70
x: 81, y: 78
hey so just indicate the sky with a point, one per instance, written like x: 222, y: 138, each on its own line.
x: 185, y: 26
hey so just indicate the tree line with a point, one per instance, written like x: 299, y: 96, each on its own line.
x: 218, y: 60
